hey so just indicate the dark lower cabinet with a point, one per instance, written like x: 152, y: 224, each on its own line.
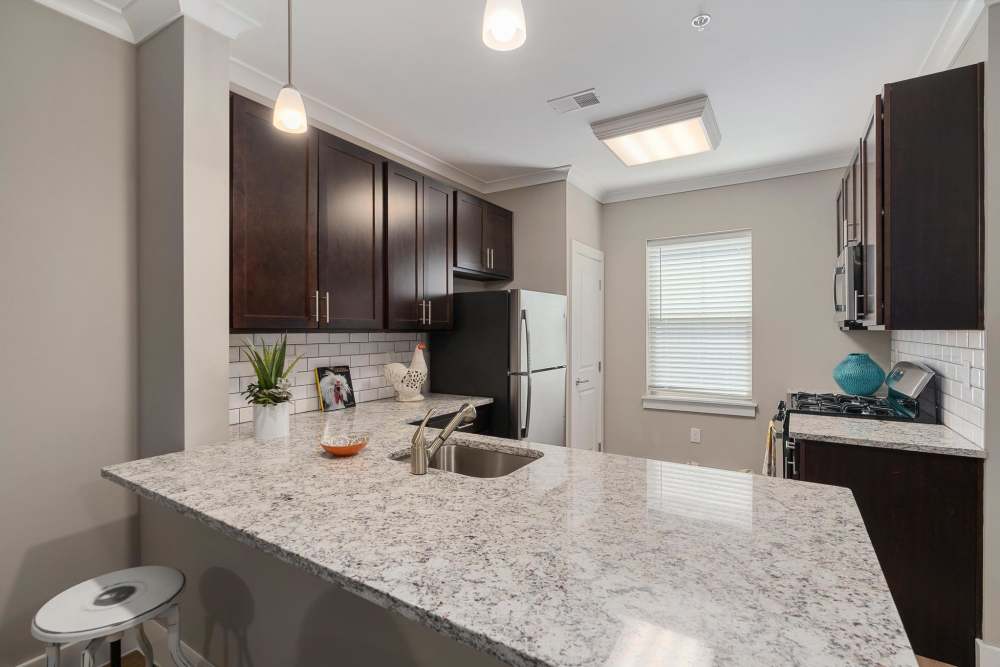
x: 272, y: 223
x: 924, y: 516
x: 350, y: 258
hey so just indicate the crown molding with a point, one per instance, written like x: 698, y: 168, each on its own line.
x: 822, y: 162
x: 140, y: 19
x: 527, y: 179
x: 954, y: 32
x: 252, y: 80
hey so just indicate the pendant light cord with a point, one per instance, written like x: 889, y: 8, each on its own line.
x: 289, y: 42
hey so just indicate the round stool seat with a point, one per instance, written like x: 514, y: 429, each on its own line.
x: 103, y: 605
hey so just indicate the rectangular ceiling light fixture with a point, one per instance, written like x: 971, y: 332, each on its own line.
x: 672, y: 130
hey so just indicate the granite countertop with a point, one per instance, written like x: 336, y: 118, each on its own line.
x: 580, y: 558
x: 928, y: 438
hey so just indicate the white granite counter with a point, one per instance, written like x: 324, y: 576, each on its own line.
x: 929, y: 438
x: 579, y: 558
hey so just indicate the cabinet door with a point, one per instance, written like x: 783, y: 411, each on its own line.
x: 498, y: 239
x: 349, y: 185
x: 273, y: 223
x: 933, y: 189
x: 871, y: 211
x: 923, y: 513
x: 403, y: 222
x: 436, y: 251
x: 470, y: 213
x: 852, y: 219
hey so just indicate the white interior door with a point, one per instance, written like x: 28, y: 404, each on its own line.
x: 586, y: 376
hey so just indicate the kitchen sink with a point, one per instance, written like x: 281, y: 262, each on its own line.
x: 474, y: 460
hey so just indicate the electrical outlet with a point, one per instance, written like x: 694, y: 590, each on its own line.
x: 696, y: 435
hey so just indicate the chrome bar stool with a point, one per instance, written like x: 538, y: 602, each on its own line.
x: 105, y: 608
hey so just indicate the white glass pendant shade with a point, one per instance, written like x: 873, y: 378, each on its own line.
x: 504, y: 28
x: 290, y: 112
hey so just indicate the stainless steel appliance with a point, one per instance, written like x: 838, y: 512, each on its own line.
x: 912, y: 397
x: 511, y: 346
x: 848, y: 286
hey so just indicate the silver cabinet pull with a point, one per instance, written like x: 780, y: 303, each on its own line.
x: 423, y: 312
x: 327, y: 307
x: 317, y: 305
x: 430, y: 312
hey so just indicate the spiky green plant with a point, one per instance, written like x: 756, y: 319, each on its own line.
x: 272, y: 385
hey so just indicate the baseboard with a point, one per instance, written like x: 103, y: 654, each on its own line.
x: 987, y: 655
x: 157, y: 637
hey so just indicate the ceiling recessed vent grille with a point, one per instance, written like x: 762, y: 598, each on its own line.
x: 575, y: 101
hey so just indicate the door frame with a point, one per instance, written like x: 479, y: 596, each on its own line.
x: 590, y: 252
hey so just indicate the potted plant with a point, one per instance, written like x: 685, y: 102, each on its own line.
x: 270, y: 394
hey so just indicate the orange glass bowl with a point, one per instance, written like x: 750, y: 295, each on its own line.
x: 347, y: 444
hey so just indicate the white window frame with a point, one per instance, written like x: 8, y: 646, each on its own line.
x: 685, y: 402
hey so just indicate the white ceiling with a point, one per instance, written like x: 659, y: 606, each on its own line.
x: 790, y: 80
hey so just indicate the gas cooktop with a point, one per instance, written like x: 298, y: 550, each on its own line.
x: 878, y: 407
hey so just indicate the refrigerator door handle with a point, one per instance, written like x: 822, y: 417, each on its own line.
x: 527, y: 356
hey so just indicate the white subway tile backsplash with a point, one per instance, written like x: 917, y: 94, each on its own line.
x: 959, y: 359
x: 365, y: 353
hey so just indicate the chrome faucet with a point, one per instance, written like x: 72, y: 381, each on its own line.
x: 421, y: 453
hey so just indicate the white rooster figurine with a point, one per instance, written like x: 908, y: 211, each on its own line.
x: 408, y: 381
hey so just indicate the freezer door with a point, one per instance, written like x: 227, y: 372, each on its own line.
x: 540, y: 320
x: 542, y: 407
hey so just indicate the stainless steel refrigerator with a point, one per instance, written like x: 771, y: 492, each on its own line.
x: 510, y: 346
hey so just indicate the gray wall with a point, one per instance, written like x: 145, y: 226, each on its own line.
x: 795, y: 343
x: 68, y: 298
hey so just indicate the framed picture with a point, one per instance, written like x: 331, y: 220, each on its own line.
x: 334, y: 387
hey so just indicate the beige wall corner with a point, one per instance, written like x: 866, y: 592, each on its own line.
x: 539, y: 236
x: 794, y: 337
x: 183, y: 237
x: 68, y: 288
x: 991, y: 485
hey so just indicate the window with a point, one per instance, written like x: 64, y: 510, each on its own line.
x: 699, y: 327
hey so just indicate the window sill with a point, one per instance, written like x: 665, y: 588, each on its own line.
x: 736, y: 407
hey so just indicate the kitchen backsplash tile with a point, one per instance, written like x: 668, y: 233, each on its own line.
x: 366, y: 353
x: 959, y: 359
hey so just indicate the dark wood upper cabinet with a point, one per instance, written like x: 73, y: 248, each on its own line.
x: 924, y: 516
x: 498, y: 239
x: 350, y: 235
x: 404, y: 212
x: 932, y: 182
x: 483, y: 239
x: 469, y: 247
x: 436, y: 254
x: 272, y: 223
x: 916, y: 204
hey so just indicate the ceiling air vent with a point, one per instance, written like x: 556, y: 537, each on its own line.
x: 575, y: 101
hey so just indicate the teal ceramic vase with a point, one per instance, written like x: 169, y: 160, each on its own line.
x: 859, y: 375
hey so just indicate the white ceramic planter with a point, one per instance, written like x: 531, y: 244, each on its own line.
x: 270, y: 421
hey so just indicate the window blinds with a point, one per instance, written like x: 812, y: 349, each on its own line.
x: 699, y: 315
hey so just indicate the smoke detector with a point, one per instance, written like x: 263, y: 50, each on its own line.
x: 575, y: 101
x: 701, y: 21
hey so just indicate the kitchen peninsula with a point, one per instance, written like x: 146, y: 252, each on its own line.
x: 579, y: 558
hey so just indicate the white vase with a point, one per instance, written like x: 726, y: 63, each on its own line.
x: 270, y: 421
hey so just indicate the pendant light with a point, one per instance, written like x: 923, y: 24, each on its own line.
x: 289, y: 111
x: 503, y: 25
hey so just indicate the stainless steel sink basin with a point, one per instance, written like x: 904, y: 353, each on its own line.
x: 474, y: 461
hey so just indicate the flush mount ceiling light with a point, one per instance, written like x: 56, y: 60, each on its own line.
x: 289, y: 111
x: 503, y: 25
x: 672, y: 130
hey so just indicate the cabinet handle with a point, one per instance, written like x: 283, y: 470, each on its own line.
x: 317, y: 305
x: 430, y: 312
x: 423, y: 310
x: 327, y: 307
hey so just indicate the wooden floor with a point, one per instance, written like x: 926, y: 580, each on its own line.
x: 922, y: 662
